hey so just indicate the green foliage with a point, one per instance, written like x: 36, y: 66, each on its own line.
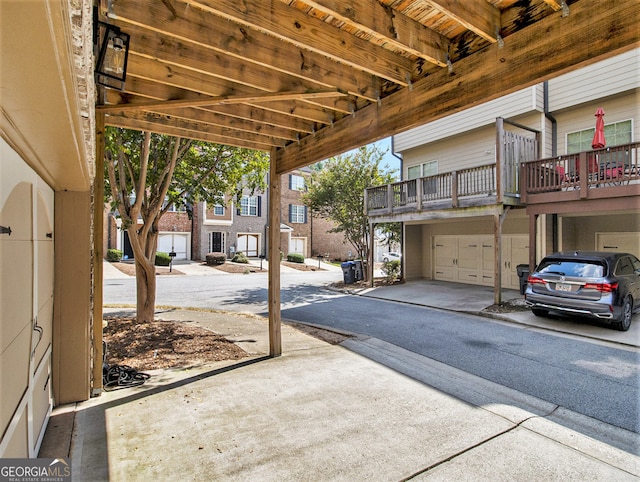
x: 391, y: 232
x: 215, y: 258
x: 240, y: 257
x: 336, y: 191
x: 114, y: 255
x: 391, y: 270
x: 295, y: 258
x: 162, y: 259
x: 201, y: 172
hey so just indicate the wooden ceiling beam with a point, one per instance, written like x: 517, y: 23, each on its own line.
x: 142, y: 91
x: 207, y: 118
x: 388, y: 26
x: 479, y: 16
x: 295, y: 27
x: 205, y: 100
x: 187, y: 128
x: 608, y: 27
x: 170, y: 131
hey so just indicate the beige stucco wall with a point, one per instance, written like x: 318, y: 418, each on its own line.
x: 580, y: 232
x: 72, y: 300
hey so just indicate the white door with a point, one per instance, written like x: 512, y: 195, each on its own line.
x: 248, y: 244
x: 515, y: 251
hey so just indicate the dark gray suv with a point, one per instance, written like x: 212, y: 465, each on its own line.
x: 595, y: 284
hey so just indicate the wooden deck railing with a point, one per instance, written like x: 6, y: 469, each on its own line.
x: 416, y: 194
x: 609, y: 167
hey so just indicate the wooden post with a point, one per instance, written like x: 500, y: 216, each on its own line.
x: 499, y: 159
x: 497, y: 241
x: 275, y: 328
x: 533, y: 225
x: 370, y: 258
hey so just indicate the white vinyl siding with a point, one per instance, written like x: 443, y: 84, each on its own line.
x: 508, y: 106
x: 609, y: 77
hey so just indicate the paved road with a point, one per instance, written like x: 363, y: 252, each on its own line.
x: 600, y: 380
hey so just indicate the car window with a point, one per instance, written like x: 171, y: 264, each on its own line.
x: 580, y: 269
x: 624, y: 267
x: 636, y: 263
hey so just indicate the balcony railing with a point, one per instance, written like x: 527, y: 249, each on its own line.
x: 451, y: 189
x: 602, y: 168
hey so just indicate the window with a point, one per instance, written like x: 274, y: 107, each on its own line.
x: 297, y: 214
x: 172, y: 207
x: 218, y: 210
x: 296, y: 183
x: 615, y: 134
x: 249, y: 206
x: 426, y: 169
x: 216, y: 242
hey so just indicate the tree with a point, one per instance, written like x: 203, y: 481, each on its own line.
x: 336, y: 191
x: 146, y: 173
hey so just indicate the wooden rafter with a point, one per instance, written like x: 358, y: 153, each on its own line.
x: 222, y: 100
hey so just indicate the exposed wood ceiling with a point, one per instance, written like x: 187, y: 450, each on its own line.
x: 313, y: 78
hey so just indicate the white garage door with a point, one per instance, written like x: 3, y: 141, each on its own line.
x: 178, y: 242
x: 248, y: 244
x: 470, y: 259
x: 296, y: 245
x: 619, y: 242
x: 26, y: 301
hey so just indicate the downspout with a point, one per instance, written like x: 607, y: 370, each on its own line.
x: 554, y: 152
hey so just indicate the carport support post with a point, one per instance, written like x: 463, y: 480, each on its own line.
x: 370, y: 257
x: 497, y: 242
x: 275, y: 328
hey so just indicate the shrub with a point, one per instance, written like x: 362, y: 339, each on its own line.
x: 240, y: 257
x: 295, y: 258
x: 391, y: 269
x: 163, y: 259
x: 215, y: 259
x: 114, y: 255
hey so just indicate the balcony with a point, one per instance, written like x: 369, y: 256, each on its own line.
x: 611, y: 173
x: 427, y: 196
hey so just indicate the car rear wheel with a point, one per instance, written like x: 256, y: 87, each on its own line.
x: 539, y: 312
x: 624, y: 322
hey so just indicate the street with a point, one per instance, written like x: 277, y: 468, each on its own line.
x: 596, y: 379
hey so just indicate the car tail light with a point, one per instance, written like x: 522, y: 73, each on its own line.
x: 601, y: 287
x: 534, y: 280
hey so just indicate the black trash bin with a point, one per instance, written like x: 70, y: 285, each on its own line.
x: 359, y: 270
x: 348, y: 272
x: 523, y: 275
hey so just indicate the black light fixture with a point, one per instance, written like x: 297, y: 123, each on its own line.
x: 113, y: 51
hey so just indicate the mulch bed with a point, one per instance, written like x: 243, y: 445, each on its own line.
x: 164, y: 344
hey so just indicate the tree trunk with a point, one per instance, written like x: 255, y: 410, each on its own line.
x: 145, y: 290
